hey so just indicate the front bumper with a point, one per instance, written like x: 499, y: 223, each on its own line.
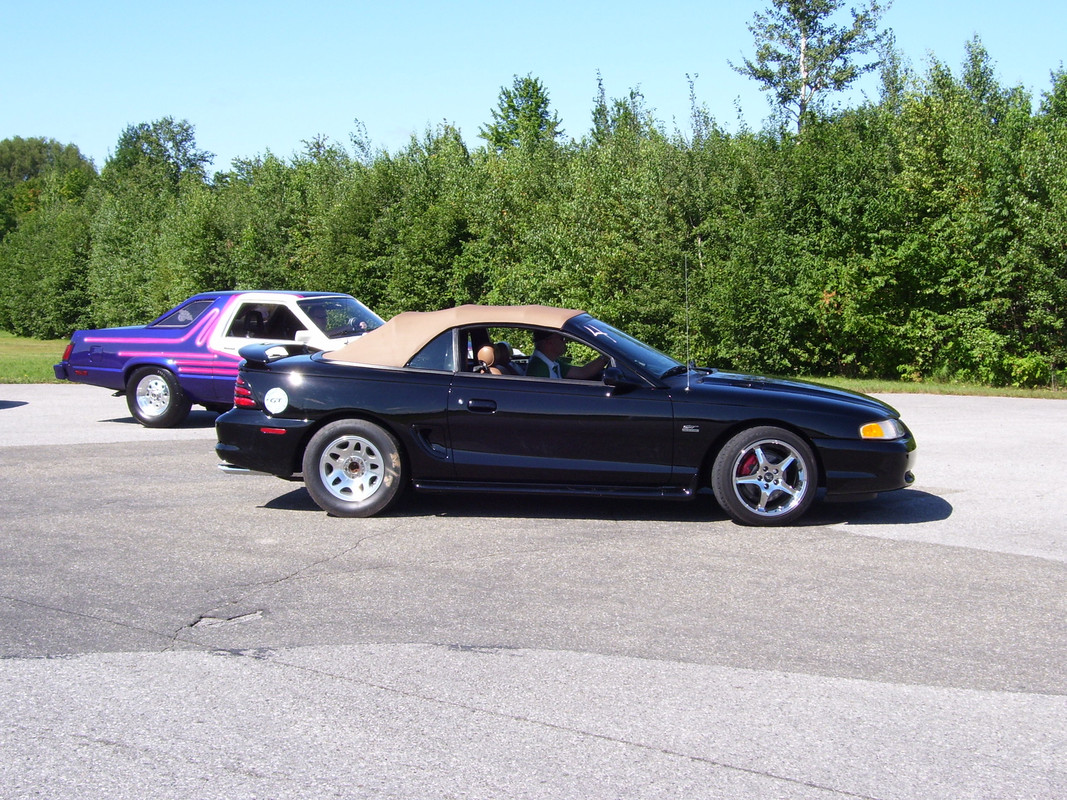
x: 865, y: 467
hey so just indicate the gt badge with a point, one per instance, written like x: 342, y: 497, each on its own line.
x: 276, y: 400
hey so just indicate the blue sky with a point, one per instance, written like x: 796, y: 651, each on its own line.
x: 267, y: 75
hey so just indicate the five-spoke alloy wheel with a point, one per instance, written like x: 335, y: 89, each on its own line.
x: 765, y: 476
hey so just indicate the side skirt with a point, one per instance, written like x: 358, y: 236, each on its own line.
x: 567, y: 490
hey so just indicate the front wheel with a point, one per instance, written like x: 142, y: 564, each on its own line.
x: 155, y: 398
x: 352, y: 468
x: 765, y: 476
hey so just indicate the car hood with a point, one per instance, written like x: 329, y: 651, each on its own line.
x: 788, y: 386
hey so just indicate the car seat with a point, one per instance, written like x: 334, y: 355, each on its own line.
x: 254, y: 324
x: 487, y: 360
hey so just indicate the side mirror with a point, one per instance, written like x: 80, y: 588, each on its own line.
x: 617, y: 379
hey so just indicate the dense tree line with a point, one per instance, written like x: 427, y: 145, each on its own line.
x: 919, y: 235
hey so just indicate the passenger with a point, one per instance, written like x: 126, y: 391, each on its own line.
x: 549, y: 347
x: 503, y: 360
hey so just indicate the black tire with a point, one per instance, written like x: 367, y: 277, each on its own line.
x: 155, y: 398
x: 765, y: 476
x: 352, y: 468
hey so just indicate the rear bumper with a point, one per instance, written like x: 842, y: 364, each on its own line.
x: 94, y: 376
x: 252, y: 440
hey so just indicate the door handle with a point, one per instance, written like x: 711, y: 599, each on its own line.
x: 481, y: 406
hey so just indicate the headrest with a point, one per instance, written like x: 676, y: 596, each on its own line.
x: 487, y: 355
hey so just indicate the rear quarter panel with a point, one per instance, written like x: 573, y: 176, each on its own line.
x: 108, y: 357
x: 410, y: 404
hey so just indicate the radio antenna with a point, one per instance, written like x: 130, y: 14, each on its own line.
x: 688, y: 360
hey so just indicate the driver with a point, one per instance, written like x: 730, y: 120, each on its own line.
x: 318, y: 316
x: 549, y: 347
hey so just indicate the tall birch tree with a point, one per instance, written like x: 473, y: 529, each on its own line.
x: 802, y: 56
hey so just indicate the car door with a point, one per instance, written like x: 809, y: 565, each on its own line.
x: 541, y: 431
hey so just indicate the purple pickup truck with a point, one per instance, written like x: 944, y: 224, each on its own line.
x: 190, y: 354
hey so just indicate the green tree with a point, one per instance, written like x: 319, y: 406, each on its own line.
x: 138, y: 192
x: 958, y: 224
x: 620, y: 249
x: 431, y: 223
x: 196, y: 243
x: 801, y: 55
x: 43, y: 272
x: 1054, y: 101
x: 1040, y: 250
x: 167, y: 147
x: 270, y: 217
x: 523, y: 118
x: 320, y: 176
x: 46, y: 208
x: 25, y: 167
x: 361, y: 231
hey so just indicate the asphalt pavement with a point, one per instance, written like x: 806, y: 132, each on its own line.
x: 171, y: 631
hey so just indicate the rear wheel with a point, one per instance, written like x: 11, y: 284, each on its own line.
x: 155, y: 398
x: 765, y: 476
x: 352, y: 468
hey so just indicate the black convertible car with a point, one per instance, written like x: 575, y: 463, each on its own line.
x: 457, y: 400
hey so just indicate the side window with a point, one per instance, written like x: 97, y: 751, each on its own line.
x: 437, y: 355
x: 264, y: 321
x: 579, y: 352
x: 184, y: 316
x: 510, y: 348
x: 559, y: 356
x: 282, y: 324
x: 249, y: 322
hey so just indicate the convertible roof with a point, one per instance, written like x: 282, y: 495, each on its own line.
x: 395, y: 342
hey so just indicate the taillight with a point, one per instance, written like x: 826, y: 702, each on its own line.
x: 242, y: 395
x: 68, y: 351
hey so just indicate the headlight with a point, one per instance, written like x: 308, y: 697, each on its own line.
x: 885, y: 429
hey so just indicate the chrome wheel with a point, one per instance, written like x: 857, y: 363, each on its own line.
x: 352, y: 469
x: 770, y: 477
x: 152, y: 396
x: 155, y: 398
x: 765, y: 476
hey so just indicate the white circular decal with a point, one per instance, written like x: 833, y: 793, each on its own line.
x: 276, y: 400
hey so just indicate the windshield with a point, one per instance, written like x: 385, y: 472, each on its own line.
x: 646, y: 358
x: 340, y: 316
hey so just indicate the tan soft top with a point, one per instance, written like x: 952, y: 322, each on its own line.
x: 398, y: 340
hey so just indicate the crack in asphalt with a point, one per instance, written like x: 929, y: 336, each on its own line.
x: 211, y: 618
x: 268, y: 656
x: 140, y: 751
x: 216, y: 616
x: 80, y: 615
x: 272, y: 659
